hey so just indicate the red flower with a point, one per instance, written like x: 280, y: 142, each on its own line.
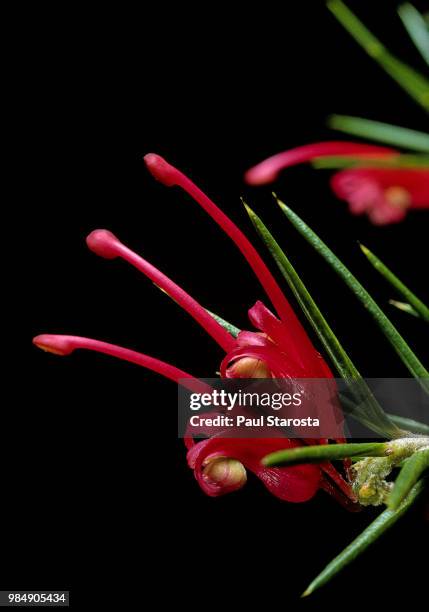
x: 385, y: 194
x: 217, y: 470
x: 277, y: 347
x: 281, y: 349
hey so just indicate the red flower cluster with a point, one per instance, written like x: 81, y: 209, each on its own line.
x: 384, y: 194
x: 280, y: 349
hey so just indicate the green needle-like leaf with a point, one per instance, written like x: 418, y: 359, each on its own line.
x: 402, y: 289
x: 365, y: 407
x: 232, y: 329
x: 385, y: 520
x: 381, y: 132
x: 349, y: 161
x: 410, y: 472
x: 401, y: 347
x: 416, y: 28
x: 324, y: 452
x: 404, y: 307
x: 414, y: 83
x: 410, y: 424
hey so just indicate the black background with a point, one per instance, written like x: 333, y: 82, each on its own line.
x: 96, y: 491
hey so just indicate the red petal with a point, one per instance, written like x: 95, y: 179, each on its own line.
x: 294, y: 484
x: 285, y: 338
x: 248, y: 338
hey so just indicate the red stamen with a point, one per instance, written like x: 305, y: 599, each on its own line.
x: 64, y: 345
x: 169, y: 175
x: 105, y: 244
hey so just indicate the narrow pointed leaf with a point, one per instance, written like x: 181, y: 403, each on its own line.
x: 414, y: 83
x: 416, y: 28
x: 365, y: 408
x: 401, y: 347
x: 381, y: 524
x: 370, y: 413
x: 232, y: 329
x: 410, y: 473
x: 324, y: 452
x: 381, y: 132
x: 404, y: 307
x: 410, y: 424
x: 417, y: 305
x: 349, y: 161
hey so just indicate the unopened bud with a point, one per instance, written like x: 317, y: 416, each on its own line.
x: 226, y: 473
x: 249, y: 367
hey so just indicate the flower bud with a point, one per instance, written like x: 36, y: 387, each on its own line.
x: 228, y: 474
x: 249, y: 367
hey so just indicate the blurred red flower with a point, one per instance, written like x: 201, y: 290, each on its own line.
x: 384, y: 194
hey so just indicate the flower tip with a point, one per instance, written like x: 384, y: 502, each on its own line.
x: 261, y: 174
x: 58, y: 345
x: 160, y: 169
x: 103, y: 243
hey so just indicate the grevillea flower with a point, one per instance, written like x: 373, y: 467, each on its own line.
x: 218, y: 472
x: 280, y: 348
x: 385, y: 194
